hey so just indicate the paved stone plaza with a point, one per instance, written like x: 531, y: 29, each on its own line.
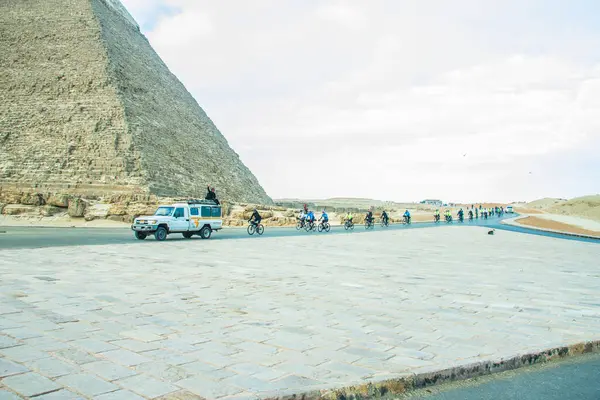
x: 264, y: 316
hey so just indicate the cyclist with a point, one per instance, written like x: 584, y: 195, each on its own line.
x: 369, y: 217
x: 448, y: 215
x: 407, y: 216
x: 324, y: 217
x: 310, y: 217
x: 255, y: 218
x: 349, y: 218
x: 461, y: 214
x: 471, y: 214
x: 477, y: 213
x: 301, y: 217
x: 384, y: 217
x: 436, y: 215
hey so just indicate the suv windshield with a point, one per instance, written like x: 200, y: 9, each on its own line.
x: 164, y: 211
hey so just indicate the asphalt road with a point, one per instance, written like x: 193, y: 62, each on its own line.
x: 36, y: 237
x: 573, y: 379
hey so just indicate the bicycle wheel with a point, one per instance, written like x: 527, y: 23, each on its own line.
x: 327, y: 227
x: 320, y: 228
x: 260, y: 229
x: 299, y: 225
x: 251, y: 230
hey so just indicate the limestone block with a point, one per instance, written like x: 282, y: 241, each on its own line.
x: 58, y: 200
x: 76, y: 207
x: 117, y: 209
x: 49, y: 211
x: 20, y: 209
x: 96, y: 211
x: 33, y: 199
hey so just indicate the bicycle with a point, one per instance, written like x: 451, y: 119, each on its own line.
x: 436, y: 219
x: 385, y: 223
x: 310, y: 226
x: 255, y: 228
x: 369, y: 224
x: 448, y: 219
x: 348, y: 225
x: 324, y: 226
x: 300, y: 223
x: 406, y: 220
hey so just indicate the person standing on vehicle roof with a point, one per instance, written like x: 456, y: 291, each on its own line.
x: 210, y: 194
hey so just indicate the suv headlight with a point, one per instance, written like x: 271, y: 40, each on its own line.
x: 152, y: 222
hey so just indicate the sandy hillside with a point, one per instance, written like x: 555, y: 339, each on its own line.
x: 545, y: 203
x: 585, y: 207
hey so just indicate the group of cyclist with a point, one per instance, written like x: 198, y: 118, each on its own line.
x: 307, y: 219
x: 473, y: 212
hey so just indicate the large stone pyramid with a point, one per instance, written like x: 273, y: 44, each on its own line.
x: 87, y: 106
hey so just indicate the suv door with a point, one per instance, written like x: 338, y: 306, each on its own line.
x: 180, y: 222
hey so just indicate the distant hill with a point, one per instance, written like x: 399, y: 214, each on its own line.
x: 341, y: 203
x: 586, y: 207
x: 545, y: 203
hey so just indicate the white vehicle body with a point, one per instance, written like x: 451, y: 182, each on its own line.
x: 199, y: 217
x: 509, y: 209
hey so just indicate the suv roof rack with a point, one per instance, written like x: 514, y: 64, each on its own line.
x: 198, y: 201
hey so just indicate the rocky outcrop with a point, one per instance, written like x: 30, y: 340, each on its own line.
x: 89, y: 109
x: 76, y: 207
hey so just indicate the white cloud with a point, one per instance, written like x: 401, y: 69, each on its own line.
x: 398, y: 100
x: 343, y: 14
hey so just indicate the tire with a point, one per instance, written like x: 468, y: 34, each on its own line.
x: 346, y: 226
x: 327, y: 227
x: 140, y: 235
x: 260, y: 229
x: 298, y: 225
x: 205, y: 232
x: 188, y: 235
x: 251, y: 229
x: 320, y: 228
x: 161, y: 233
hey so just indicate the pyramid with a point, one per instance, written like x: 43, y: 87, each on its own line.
x: 88, y: 107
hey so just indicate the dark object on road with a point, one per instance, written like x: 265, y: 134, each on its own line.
x: 491, y: 232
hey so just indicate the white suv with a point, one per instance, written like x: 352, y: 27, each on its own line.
x: 195, y: 217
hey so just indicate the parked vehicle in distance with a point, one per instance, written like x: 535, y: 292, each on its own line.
x: 193, y: 217
x: 509, y: 209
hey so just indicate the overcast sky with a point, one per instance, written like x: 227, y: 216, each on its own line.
x: 462, y: 100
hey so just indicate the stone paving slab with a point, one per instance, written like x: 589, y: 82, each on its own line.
x: 274, y: 316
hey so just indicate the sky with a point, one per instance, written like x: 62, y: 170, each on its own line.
x: 464, y: 101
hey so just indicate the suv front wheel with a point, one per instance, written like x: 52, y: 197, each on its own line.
x: 161, y: 233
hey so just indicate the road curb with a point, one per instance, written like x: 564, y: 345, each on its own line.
x: 403, y: 384
x: 515, y: 222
